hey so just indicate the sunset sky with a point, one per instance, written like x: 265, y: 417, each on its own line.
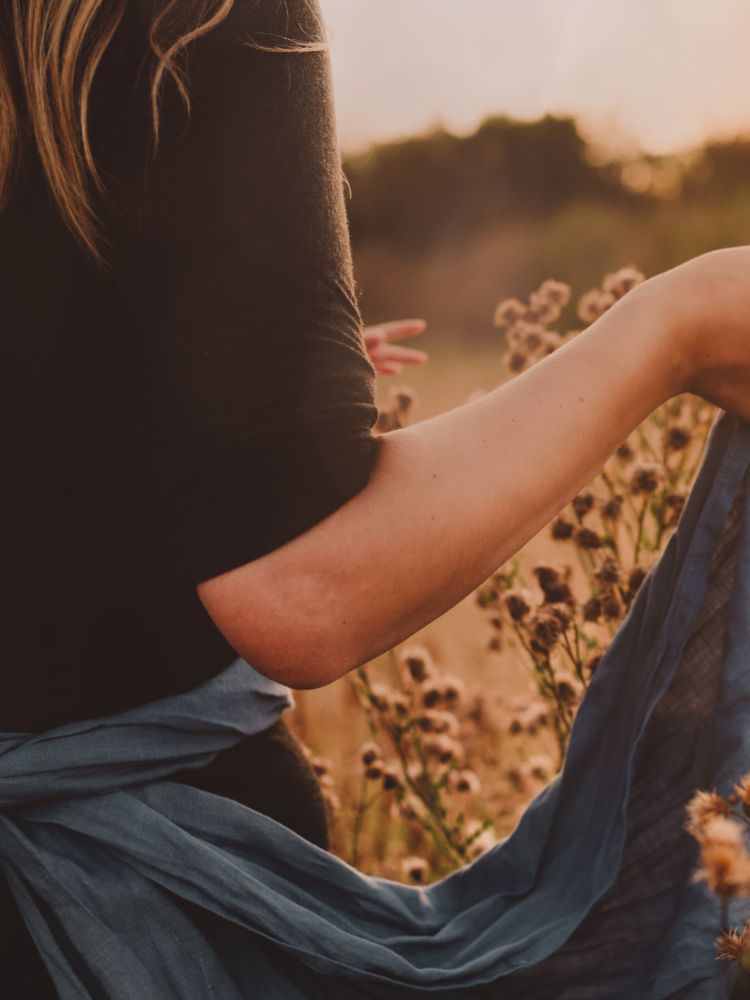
x: 659, y: 74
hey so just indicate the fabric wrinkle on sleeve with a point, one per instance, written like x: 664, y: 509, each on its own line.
x: 252, y: 389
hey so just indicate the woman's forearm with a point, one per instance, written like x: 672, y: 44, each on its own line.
x: 449, y: 500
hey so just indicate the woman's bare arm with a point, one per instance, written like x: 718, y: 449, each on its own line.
x: 451, y: 498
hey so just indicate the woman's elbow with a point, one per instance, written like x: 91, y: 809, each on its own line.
x: 282, y: 639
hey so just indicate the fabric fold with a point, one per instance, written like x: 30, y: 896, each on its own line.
x: 99, y: 845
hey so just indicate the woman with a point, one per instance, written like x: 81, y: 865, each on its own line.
x: 192, y: 470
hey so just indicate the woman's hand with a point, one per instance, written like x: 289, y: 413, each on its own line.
x: 386, y: 358
x: 706, y: 302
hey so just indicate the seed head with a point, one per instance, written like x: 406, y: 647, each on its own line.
x: 516, y: 362
x: 586, y: 538
x: 582, y: 504
x: 725, y: 863
x: 554, y: 584
x: 517, y: 603
x: 612, y: 508
x: 635, y: 579
x: 592, y: 610
x: 609, y: 573
x: 646, y: 479
x: 731, y: 946
x: 541, y: 767
x: 415, y: 869
x: 433, y: 721
x: 743, y: 792
x: 555, y: 291
x: 465, y: 782
x: 453, y: 690
x: 391, y: 778
x: 380, y: 697
x: 418, y: 662
x: 625, y: 452
x: 562, y: 530
x: 677, y: 438
x: 704, y: 806
x: 551, y: 342
x: 531, y: 336
x: 623, y: 281
x: 592, y: 664
x: 568, y: 687
x: 544, y: 631
x: 611, y: 606
x: 443, y: 748
x: 508, y: 312
x: 675, y: 504
x: 369, y: 753
x: 594, y: 304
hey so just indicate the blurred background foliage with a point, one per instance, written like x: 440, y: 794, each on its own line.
x: 443, y: 226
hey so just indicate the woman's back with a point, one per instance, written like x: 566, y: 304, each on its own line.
x: 196, y: 405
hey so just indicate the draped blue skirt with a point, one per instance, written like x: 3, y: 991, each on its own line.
x: 590, y: 898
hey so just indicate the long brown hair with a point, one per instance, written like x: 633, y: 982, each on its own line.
x: 58, y: 46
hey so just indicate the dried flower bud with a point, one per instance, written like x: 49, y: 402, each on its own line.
x: 410, y: 807
x: 465, y: 782
x: 415, y: 869
x: 625, y: 452
x: 677, y: 438
x: 544, y: 631
x: 592, y: 610
x: 646, y: 479
x: 622, y: 281
x: 531, y: 336
x: 418, y: 662
x: 586, y: 538
x: 508, y: 312
x: 731, y: 946
x: 635, y: 579
x: 551, y: 342
x: 404, y: 398
x: 517, y: 603
x: 582, y: 504
x: 592, y: 664
x: 704, y: 806
x: 543, y: 310
x: 479, y: 840
x: 391, y: 778
x: 555, y: 291
x: 611, y: 607
x: 369, y: 753
x: 612, y: 508
x: 609, y: 573
x: 568, y: 687
x: 374, y: 771
x: 554, y: 584
x: 594, y: 304
x: 516, y: 362
x: 453, y: 689
x: 438, y: 722
x: 443, y: 748
x: 432, y: 694
x: 562, y: 530
x: 743, y: 792
x: 725, y: 863
x: 675, y: 503
x: 541, y: 767
x: 380, y: 697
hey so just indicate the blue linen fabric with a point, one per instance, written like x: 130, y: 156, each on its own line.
x: 98, y: 844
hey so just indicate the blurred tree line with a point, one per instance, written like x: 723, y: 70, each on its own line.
x: 442, y: 226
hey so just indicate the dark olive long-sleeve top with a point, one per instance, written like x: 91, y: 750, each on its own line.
x: 198, y: 406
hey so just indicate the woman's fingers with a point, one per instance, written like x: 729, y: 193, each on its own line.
x: 387, y: 358
x: 395, y: 330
